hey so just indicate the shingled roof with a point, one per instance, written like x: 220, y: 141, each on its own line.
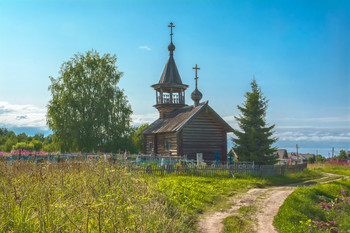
x: 178, y: 119
x: 170, y: 73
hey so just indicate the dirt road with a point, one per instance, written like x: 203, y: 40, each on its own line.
x: 268, y: 201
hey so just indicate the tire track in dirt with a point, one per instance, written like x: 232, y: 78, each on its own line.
x: 268, y: 201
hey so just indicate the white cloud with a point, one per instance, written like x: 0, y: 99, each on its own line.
x: 311, y: 134
x: 318, y: 120
x: 316, y: 134
x: 16, y: 115
x: 231, y: 121
x: 145, y: 47
x: 144, y: 118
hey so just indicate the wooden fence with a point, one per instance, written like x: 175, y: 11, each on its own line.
x: 220, y: 170
x: 156, y: 165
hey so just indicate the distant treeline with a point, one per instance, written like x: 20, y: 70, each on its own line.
x: 9, y: 141
x: 320, y: 159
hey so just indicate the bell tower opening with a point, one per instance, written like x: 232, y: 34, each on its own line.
x: 170, y: 91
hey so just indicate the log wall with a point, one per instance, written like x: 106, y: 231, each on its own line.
x: 167, y: 137
x: 158, y: 142
x: 204, y: 135
x: 146, y: 140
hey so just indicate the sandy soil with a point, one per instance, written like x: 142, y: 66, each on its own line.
x: 268, y: 201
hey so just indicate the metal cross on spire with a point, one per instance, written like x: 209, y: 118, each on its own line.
x: 171, y: 31
x: 196, y: 68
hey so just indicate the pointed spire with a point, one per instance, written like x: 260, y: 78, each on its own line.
x: 170, y: 73
x: 196, y: 95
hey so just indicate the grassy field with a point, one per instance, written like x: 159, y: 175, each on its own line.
x: 101, y: 196
x: 321, y: 208
x: 340, y: 169
x: 292, y: 178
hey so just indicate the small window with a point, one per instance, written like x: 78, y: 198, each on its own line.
x: 150, y: 146
x: 167, y: 145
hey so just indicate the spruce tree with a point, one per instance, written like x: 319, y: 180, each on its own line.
x: 253, y: 142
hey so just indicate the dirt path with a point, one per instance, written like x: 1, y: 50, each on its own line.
x: 268, y: 201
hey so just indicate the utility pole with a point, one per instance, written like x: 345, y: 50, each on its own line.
x: 332, y: 152
x: 297, y: 150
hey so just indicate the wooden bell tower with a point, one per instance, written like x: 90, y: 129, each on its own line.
x: 170, y: 91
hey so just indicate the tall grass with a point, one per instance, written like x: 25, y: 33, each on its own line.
x: 336, y: 168
x: 89, y: 197
x: 101, y: 196
x: 96, y: 196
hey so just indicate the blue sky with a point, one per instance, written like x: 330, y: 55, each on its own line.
x: 299, y: 52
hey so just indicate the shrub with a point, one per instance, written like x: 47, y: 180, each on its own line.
x: 23, y: 146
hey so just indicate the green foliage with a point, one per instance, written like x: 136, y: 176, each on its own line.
x: 87, y: 110
x: 38, y: 145
x: 311, y: 160
x: 342, y: 155
x: 137, y: 139
x: 316, y: 209
x: 10, y: 143
x: 320, y: 159
x: 39, y: 137
x: 254, y: 141
x: 34, y: 145
x: 29, y: 139
x: 3, y: 131
x: 23, y: 146
x: 3, y: 139
x: 48, y: 139
x: 22, y: 137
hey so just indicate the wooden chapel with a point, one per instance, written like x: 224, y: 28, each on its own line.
x: 183, y: 129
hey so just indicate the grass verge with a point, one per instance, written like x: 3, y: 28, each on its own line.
x: 340, y: 169
x: 243, y: 223
x: 321, y: 208
x: 298, y: 177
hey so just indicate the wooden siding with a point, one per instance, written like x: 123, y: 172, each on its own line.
x: 167, y: 137
x: 204, y: 135
x: 158, y: 142
x: 146, y: 140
